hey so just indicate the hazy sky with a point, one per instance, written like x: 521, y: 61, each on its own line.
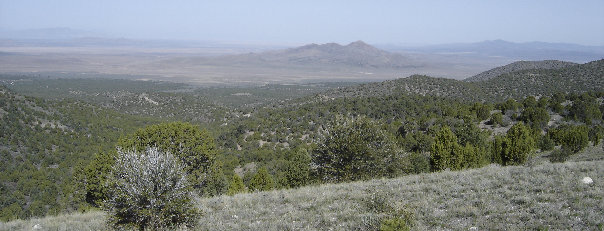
x: 283, y: 21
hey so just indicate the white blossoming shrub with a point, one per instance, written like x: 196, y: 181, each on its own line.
x: 149, y: 191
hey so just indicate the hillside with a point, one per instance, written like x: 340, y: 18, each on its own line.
x: 413, y: 85
x: 548, y: 196
x: 518, y: 66
x: 42, y: 144
x: 517, y: 80
x: 576, y: 78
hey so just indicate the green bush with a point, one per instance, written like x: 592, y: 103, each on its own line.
x: 575, y: 138
x: 262, y: 181
x: 535, y: 117
x: 297, y: 172
x: 545, y: 143
x: 596, y: 133
x: 149, y: 191
x: 395, y: 224
x: 95, y: 176
x: 519, y: 145
x: 355, y: 149
x: 496, y: 119
x: 446, y: 152
x: 236, y: 186
x: 419, y: 163
x: 560, y: 155
x: 193, y: 146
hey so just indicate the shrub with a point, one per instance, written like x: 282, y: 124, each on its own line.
x: 575, y: 138
x: 418, y: 163
x: 354, y: 149
x: 217, y: 183
x: 519, y: 145
x: 395, y: 224
x: 545, y: 143
x: 595, y: 134
x: 560, y: 155
x: 262, y: 181
x: 149, y: 191
x: 446, y: 152
x: 236, y: 186
x: 193, y: 146
x: 393, y: 218
x: 297, y: 171
x: 496, y: 119
x: 95, y: 176
x: 535, y: 116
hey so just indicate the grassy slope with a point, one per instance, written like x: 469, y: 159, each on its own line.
x: 520, y: 197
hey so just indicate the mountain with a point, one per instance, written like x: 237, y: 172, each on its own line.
x: 515, y: 51
x: 356, y: 54
x: 518, y: 66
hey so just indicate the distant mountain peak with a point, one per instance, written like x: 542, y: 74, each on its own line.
x: 358, y: 54
x: 358, y: 43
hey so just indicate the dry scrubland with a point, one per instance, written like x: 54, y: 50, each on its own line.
x: 543, y: 197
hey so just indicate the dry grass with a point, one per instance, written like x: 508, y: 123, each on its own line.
x: 85, y: 221
x: 549, y: 196
x: 542, y: 197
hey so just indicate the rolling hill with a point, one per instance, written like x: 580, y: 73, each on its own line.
x: 515, y: 80
x: 575, y: 78
x: 519, y: 66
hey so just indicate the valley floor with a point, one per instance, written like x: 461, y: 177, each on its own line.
x: 544, y: 196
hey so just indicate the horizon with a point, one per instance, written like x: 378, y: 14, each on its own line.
x: 37, y: 37
x: 342, y: 22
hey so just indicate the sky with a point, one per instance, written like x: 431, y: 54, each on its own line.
x: 313, y: 21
